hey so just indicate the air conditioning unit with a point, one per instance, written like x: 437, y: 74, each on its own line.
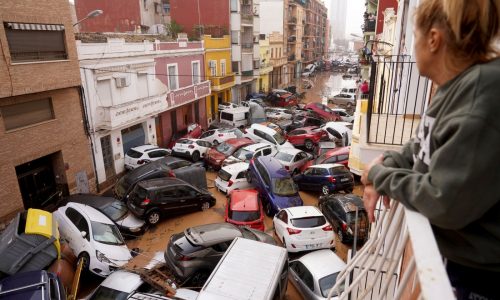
x: 122, y: 81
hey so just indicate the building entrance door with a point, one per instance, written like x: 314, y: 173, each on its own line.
x: 132, y: 137
x: 107, y: 155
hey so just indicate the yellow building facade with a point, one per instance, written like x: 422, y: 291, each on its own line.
x: 218, y: 71
x: 265, y: 65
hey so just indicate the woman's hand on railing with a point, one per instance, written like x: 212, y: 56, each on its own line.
x: 370, y: 195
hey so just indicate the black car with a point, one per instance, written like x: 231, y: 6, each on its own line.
x: 165, y: 167
x: 156, y: 198
x: 32, y: 285
x: 301, y: 121
x: 114, y: 209
x: 340, y: 211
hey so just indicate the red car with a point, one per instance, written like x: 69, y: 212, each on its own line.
x: 334, y: 156
x: 245, y: 209
x: 306, y: 136
x: 323, y: 111
x: 282, y: 98
x: 217, y: 155
x: 193, y: 131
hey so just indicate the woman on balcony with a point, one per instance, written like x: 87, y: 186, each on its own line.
x: 450, y: 171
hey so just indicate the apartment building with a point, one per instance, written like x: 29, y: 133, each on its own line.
x: 295, y: 19
x: 45, y: 151
x: 314, y: 31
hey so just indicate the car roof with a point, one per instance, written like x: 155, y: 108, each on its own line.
x: 239, y: 109
x: 164, y: 181
x: 339, y: 150
x: 292, y: 151
x: 244, y: 200
x: 91, y: 213
x: 236, y: 168
x: 144, y: 148
x: 349, y: 202
x: 161, y: 163
x: 263, y: 128
x: 327, y: 145
x: 322, y: 263
x: 92, y: 200
x: 326, y: 166
x: 123, y: 281
x: 273, y: 166
x: 256, y: 146
x: 27, y: 283
x: 210, y: 234
x: 239, y: 141
x: 303, y: 211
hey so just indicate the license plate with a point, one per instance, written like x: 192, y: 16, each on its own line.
x: 312, y: 246
x: 344, y: 179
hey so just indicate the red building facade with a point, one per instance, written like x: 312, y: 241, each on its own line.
x: 118, y: 15
x: 382, y: 5
x: 213, y: 14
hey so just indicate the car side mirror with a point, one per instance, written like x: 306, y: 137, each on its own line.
x: 83, y: 233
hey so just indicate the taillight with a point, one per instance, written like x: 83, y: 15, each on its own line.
x: 327, y: 228
x: 332, y: 179
x: 344, y: 226
x: 221, y: 135
x: 145, y: 202
x: 191, y: 147
x: 230, y: 183
x: 184, y: 258
x: 293, y: 231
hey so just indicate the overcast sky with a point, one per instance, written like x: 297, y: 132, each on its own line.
x: 355, y: 10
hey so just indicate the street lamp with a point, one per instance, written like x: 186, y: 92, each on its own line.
x: 92, y: 14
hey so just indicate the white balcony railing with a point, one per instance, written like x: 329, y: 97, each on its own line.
x: 401, y: 260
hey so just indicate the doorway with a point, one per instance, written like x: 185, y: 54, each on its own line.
x: 107, y: 155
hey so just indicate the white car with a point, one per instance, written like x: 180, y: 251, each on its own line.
x: 341, y: 131
x: 217, y: 136
x: 245, y: 154
x: 316, y: 273
x: 303, y: 228
x: 226, y: 105
x: 122, y: 284
x: 278, y: 113
x: 345, y: 99
x: 92, y: 236
x: 191, y: 148
x: 232, y: 177
x: 141, y: 155
x: 292, y: 159
x: 344, y: 116
x: 262, y: 134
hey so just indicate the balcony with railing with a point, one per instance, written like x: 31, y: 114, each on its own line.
x: 220, y: 83
x: 247, y: 15
x: 247, y: 47
x: 247, y: 75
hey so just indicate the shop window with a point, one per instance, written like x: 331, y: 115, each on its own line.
x: 27, y: 113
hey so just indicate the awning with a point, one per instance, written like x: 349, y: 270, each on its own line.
x: 31, y: 26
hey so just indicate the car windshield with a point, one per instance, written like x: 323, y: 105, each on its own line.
x: 327, y: 109
x: 327, y: 282
x: 225, y: 149
x: 284, y: 187
x: 243, y: 154
x: 134, y: 154
x: 243, y: 216
x: 279, y: 138
x: 105, y: 293
x: 224, y: 175
x: 324, y: 150
x: 284, y: 156
x: 117, y: 210
x: 106, y: 233
x: 308, y: 222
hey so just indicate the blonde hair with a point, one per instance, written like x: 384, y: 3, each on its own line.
x: 471, y: 26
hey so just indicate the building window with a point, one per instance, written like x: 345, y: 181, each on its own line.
x: 235, y: 67
x: 234, y: 5
x: 213, y: 68
x: 35, y: 42
x: 173, y: 78
x: 195, y: 66
x: 272, y: 52
x: 234, y: 37
x: 223, y: 67
x: 28, y: 113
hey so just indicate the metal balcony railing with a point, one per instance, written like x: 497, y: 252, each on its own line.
x: 247, y: 47
x: 400, y: 260
x: 369, y: 25
x: 397, y: 98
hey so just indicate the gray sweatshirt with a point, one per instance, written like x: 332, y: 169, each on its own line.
x: 450, y: 170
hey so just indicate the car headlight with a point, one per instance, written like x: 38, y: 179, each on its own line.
x: 136, y: 229
x: 101, y: 257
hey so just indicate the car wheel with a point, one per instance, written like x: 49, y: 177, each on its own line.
x: 309, y: 144
x: 205, y: 206
x: 341, y: 235
x: 269, y: 209
x: 196, y: 156
x: 325, y: 190
x: 86, y: 261
x: 153, y: 217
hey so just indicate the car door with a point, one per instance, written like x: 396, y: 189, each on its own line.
x: 328, y: 209
x: 157, y: 154
x: 167, y: 199
x: 77, y: 224
x: 307, y: 178
x: 188, y: 198
x: 321, y: 177
x: 294, y: 136
x: 204, y: 146
x: 303, y: 278
x: 299, y: 160
x: 241, y: 182
x: 280, y: 223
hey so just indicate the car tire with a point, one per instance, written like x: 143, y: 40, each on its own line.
x: 86, y: 261
x: 308, y: 144
x: 341, y: 235
x: 196, y: 156
x: 269, y: 209
x: 325, y: 190
x: 153, y: 217
x: 205, y: 206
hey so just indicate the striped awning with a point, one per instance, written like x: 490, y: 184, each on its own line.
x: 31, y: 26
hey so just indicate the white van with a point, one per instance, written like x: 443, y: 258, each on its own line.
x: 248, y: 270
x: 236, y: 117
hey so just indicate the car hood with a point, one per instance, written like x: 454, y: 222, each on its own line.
x: 231, y: 160
x: 130, y: 221
x: 119, y: 255
x: 286, y: 145
x: 216, y: 155
x: 289, y: 201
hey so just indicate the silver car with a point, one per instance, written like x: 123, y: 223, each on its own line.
x: 315, y: 273
x: 343, y: 99
x: 194, y: 253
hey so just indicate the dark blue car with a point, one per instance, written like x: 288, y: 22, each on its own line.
x: 32, y: 285
x: 326, y: 178
x: 275, y: 186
